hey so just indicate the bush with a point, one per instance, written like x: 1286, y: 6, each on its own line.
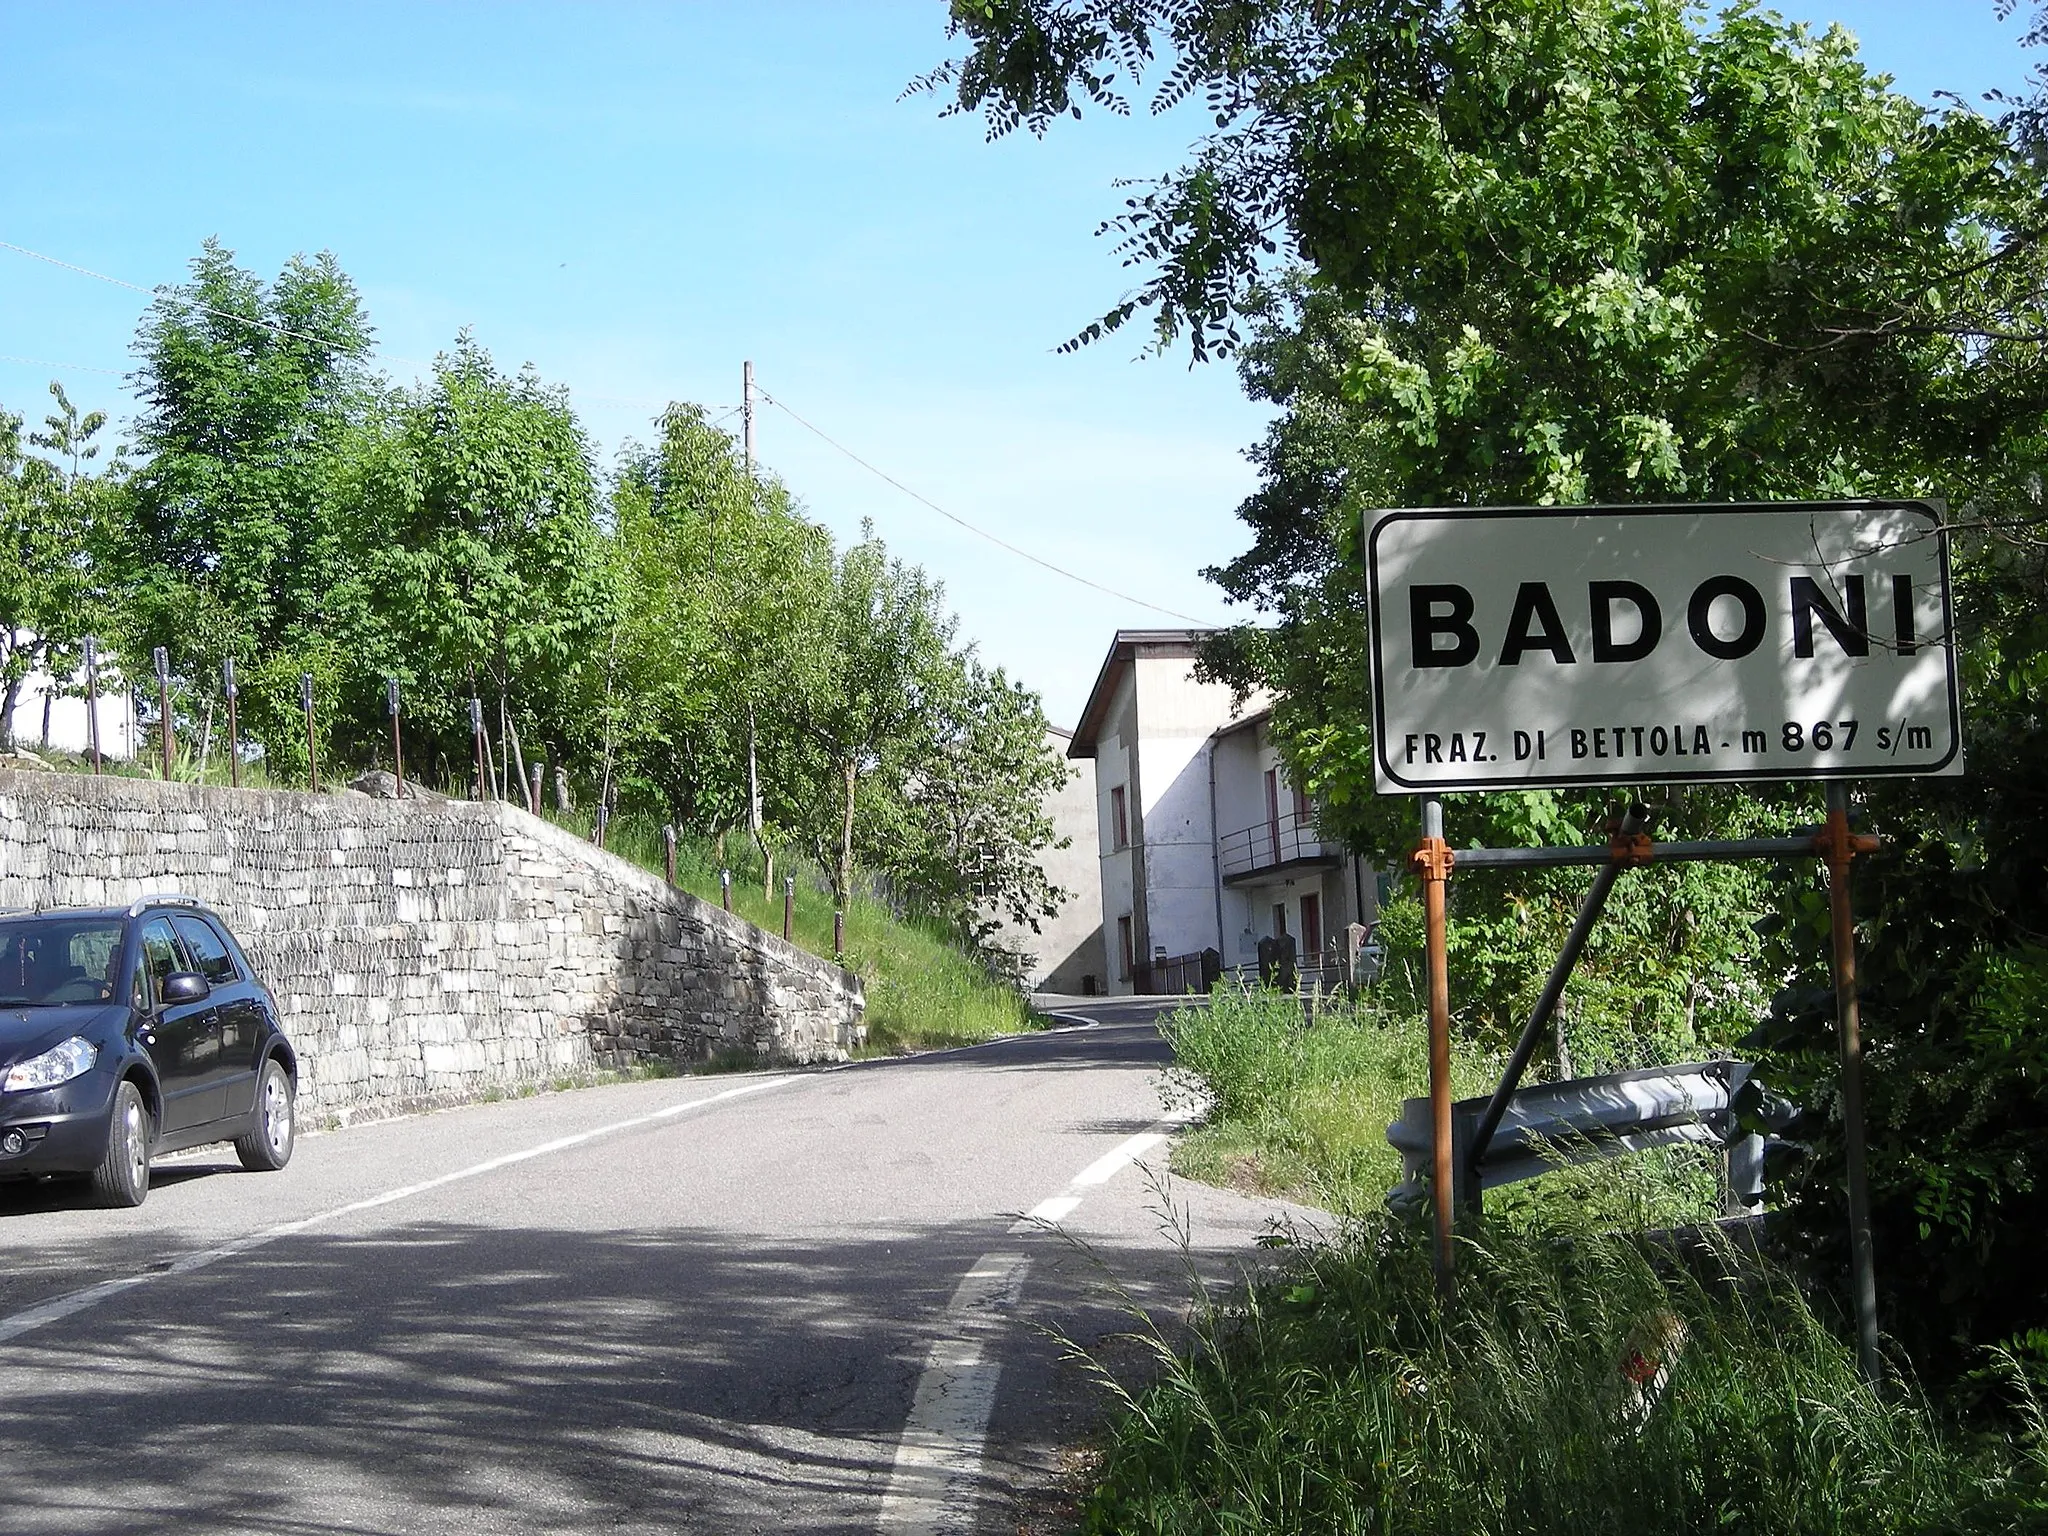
x: 1591, y: 1385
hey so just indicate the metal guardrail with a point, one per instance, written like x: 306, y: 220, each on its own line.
x: 1589, y: 1119
x: 1283, y: 839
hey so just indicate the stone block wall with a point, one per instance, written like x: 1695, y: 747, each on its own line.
x: 425, y: 952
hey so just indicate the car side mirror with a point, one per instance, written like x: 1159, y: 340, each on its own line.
x: 185, y: 987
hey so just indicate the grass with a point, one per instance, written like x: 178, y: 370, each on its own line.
x: 1587, y: 1383
x: 1298, y: 1102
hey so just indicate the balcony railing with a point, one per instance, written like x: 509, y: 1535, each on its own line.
x: 1282, y: 839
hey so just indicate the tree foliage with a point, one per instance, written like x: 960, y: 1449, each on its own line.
x: 58, y: 523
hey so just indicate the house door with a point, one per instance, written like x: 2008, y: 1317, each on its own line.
x: 1311, y: 929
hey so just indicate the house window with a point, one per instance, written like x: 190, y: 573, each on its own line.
x: 1126, y: 957
x: 1119, y: 819
x: 1311, y: 925
x: 1301, y: 811
x: 1279, y: 918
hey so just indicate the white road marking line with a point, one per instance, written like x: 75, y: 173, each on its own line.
x: 40, y: 1316
x: 1106, y: 1167
x: 1058, y: 1208
x: 938, y: 1459
x: 937, y: 1474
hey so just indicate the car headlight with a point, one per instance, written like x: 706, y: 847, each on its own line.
x: 59, y: 1064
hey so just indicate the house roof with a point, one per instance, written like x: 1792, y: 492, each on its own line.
x: 1129, y: 645
x: 1255, y: 718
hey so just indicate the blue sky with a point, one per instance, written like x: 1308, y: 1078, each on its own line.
x: 635, y: 199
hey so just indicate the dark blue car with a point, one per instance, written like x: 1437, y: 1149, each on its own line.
x: 126, y: 1032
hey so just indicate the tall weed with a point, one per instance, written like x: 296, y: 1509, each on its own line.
x: 1594, y: 1386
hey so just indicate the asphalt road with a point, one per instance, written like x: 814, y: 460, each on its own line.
x: 757, y: 1302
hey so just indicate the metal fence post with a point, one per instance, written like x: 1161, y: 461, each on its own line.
x: 227, y: 683
x: 725, y: 889
x: 476, y: 742
x: 397, y: 745
x: 789, y: 906
x: 312, y: 750
x: 92, y: 699
x: 162, y: 659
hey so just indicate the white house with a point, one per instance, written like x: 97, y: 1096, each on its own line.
x: 1064, y: 953
x: 1204, y: 842
x: 53, y: 715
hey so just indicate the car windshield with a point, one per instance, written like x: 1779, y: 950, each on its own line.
x: 57, y: 961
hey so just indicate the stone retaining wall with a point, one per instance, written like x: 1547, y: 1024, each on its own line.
x: 424, y: 952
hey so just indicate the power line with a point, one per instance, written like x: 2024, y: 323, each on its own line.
x: 44, y: 362
x: 1003, y: 544
x: 165, y: 293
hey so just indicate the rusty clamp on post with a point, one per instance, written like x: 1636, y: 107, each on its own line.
x: 1432, y: 859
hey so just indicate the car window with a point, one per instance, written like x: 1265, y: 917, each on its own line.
x: 210, y: 957
x: 160, y: 953
x: 54, y: 961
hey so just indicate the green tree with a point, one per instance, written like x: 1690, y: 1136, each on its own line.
x: 886, y: 658
x: 59, y: 524
x: 972, y: 823
x: 726, y: 587
x: 488, y: 574
x: 244, y: 536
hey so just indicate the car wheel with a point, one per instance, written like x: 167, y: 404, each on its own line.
x: 267, y: 1145
x: 122, y: 1177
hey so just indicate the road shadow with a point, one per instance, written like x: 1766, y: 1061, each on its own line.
x: 439, y: 1376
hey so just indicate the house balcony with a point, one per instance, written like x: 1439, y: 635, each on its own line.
x: 1274, y: 846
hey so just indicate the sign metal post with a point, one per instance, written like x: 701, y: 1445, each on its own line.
x: 1841, y: 848
x: 1432, y: 860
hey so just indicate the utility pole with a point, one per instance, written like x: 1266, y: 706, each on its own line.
x: 747, y: 416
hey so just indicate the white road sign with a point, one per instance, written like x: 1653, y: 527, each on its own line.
x: 1519, y: 648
